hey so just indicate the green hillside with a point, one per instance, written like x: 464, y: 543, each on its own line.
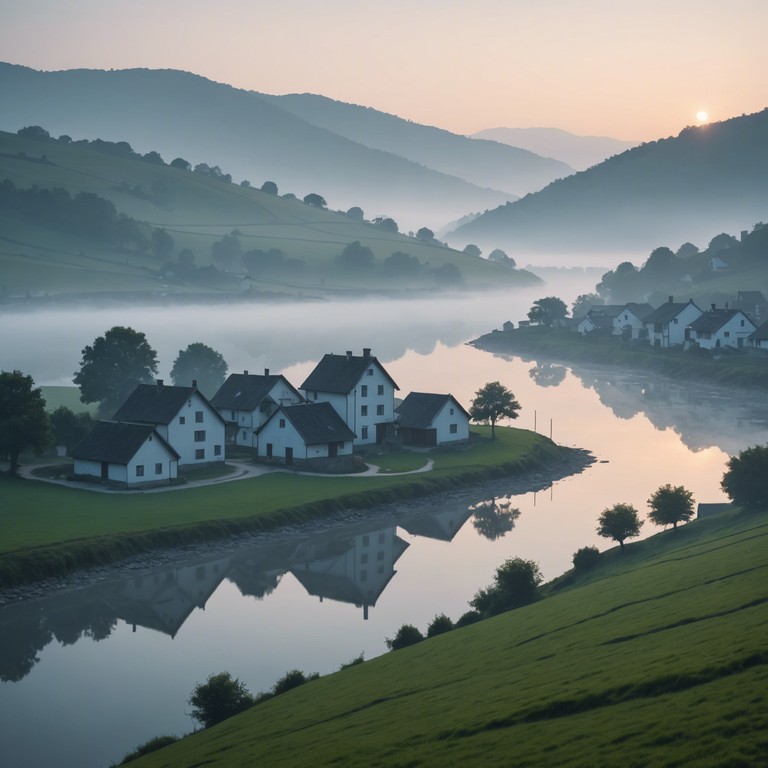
x: 660, y: 657
x: 197, y: 211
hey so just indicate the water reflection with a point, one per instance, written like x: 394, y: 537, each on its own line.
x: 548, y: 375
x: 494, y: 518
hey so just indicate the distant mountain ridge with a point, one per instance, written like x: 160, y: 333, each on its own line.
x: 580, y: 152
x: 706, y: 180
x: 248, y: 135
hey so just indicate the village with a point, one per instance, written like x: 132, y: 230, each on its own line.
x: 345, y: 406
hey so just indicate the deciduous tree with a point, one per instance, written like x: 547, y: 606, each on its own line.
x: 670, y: 506
x: 315, y: 200
x: 548, y: 311
x: 200, y: 363
x: 515, y: 584
x: 619, y: 522
x: 493, y: 402
x: 746, y: 479
x: 24, y: 423
x: 219, y: 697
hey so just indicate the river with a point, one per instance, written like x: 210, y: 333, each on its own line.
x: 90, y: 673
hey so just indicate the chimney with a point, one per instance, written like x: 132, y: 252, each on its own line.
x: 366, y: 351
x: 671, y: 299
x: 349, y: 354
x: 266, y: 371
x: 159, y: 383
x: 726, y: 305
x: 194, y: 383
x: 713, y: 307
x: 245, y: 373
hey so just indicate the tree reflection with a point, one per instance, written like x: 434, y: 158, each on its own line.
x: 494, y: 518
x: 547, y: 375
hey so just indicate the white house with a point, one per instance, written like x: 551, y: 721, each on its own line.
x: 718, y: 328
x: 308, y: 434
x: 427, y: 419
x: 128, y: 454
x: 183, y: 417
x: 665, y: 326
x: 245, y: 401
x: 598, y: 318
x: 629, y: 321
x: 359, y: 389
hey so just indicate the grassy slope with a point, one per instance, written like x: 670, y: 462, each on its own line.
x: 659, y: 658
x: 203, y: 211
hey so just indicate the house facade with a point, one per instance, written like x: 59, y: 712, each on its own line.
x: 130, y: 455
x: 182, y: 416
x: 719, y: 328
x: 360, y: 391
x: 310, y: 435
x: 629, y: 322
x: 427, y: 419
x: 245, y: 401
x: 665, y: 326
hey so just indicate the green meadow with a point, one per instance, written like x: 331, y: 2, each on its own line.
x: 659, y: 657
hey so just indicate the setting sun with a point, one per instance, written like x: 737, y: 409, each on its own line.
x: 702, y: 116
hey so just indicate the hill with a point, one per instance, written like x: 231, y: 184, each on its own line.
x: 485, y: 163
x: 178, y: 113
x: 704, y: 181
x: 658, y: 657
x: 297, y: 245
x: 580, y: 152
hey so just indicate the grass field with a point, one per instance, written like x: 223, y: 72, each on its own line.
x: 659, y: 657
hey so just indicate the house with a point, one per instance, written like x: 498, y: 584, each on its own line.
x: 183, y: 417
x: 718, y: 328
x: 245, y: 401
x: 759, y: 338
x: 665, y: 326
x: 599, y: 318
x: 629, y: 320
x: 131, y: 455
x: 361, y: 392
x: 752, y: 303
x: 311, y: 435
x: 426, y: 419
x: 716, y: 264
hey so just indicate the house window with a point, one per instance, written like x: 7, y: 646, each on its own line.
x: 453, y: 429
x: 282, y: 423
x: 451, y: 411
x: 199, y: 435
x: 363, y: 410
x: 244, y: 433
x: 158, y: 468
x: 675, y: 321
x: 742, y: 323
x: 379, y: 410
x: 380, y: 389
x: 727, y: 334
x: 139, y: 470
x: 364, y: 390
x: 199, y: 453
x: 198, y: 417
x: 182, y: 420
x: 364, y: 433
x: 370, y: 371
x: 217, y: 450
x: 233, y: 415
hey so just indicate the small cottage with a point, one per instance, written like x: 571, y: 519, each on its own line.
x: 719, y: 328
x: 427, y: 419
x: 665, y: 326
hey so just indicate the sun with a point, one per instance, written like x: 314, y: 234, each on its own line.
x: 702, y: 116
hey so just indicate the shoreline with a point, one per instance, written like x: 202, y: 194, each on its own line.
x: 573, y: 461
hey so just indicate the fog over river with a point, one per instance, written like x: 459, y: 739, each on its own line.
x: 89, y: 674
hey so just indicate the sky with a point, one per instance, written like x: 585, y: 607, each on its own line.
x: 628, y: 69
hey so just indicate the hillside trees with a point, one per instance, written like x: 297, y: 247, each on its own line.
x: 472, y: 250
x: 113, y: 365
x: 548, y: 311
x: 269, y: 187
x: 69, y: 428
x: 746, y: 479
x: 227, y: 252
x: 162, y: 244
x: 356, y: 257
x: 491, y: 403
x: 219, y: 697
x: 24, y: 423
x: 201, y: 363
x: 619, y: 522
x: 670, y: 506
x: 515, y: 584
x: 315, y: 200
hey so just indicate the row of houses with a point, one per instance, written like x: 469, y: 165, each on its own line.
x: 677, y: 324
x: 346, y: 403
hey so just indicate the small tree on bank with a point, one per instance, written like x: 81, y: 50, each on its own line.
x: 515, y: 584
x: 670, y: 506
x: 219, y: 697
x: 746, y: 479
x: 493, y: 402
x: 619, y: 522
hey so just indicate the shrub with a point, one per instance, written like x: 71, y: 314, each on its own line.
x: 470, y: 617
x: 406, y: 635
x: 439, y: 625
x: 354, y: 662
x: 586, y: 558
x: 292, y: 679
x: 515, y: 584
x: 218, y: 698
x: 150, y: 746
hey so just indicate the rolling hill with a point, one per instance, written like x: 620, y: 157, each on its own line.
x: 49, y: 257
x: 180, y: 114
x: 704, y: 181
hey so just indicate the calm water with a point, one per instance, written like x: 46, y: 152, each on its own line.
x: 88, y: 675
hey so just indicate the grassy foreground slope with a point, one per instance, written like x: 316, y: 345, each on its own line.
x: 659, y: 658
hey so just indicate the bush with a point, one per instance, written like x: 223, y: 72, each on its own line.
x: 353, y: 663
x: 470, y: 617
x: 746, y: 480
x: 151, y: 746
x: 218, y: 698
x: 439, y: 625
x: 515, y: 584
x: 586, y: 558
x: 292, y: 679
x: 406, y: 635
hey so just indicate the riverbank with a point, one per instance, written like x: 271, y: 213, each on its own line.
x: 52, y: 531
x: 729, y: 369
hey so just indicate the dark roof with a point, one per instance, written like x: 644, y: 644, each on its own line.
x: 641, y: 311
x: 751, y: 297
x: 156, y: 404
x: 714, y: 319
x: 603, y: 322
x: 419, y: 409
x: 245, y: 392
x: 760, y: 333
x: 609, y: 310
x: 116, y: 442
x: 667, y: 312
x: 341, y: 373
x: 317, y: 423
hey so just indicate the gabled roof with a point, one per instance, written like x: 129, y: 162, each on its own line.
x: 157, y: 404
x: 246, y: 391
x: 419, y: 409
x: 116, y: 442
x: 340, y: 374
x: 714, y: 319
x: 639, y: 310
x: 316, y: 423
x: 760, y: 333
x: 668, y: 312
x: 609, y: 310
x: 602, y: 322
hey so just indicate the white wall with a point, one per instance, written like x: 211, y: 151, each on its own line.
x: 442, y: 422
x: 182, y: 435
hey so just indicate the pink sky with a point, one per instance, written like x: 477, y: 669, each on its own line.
x: 633, y: 70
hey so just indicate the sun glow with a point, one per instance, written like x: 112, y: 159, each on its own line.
x: 702, y: 116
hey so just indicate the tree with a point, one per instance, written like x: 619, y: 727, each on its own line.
x: 387, y: 224
x: 227, y: 252
x: 200, y: 363
x: 112, y: 367
x: 400, y: 264
x: 472, y: 250
x: 515, y: 584
x: 292, y: 679
x: 619, y: 522
x: 746, y: 480
x: 356, y: 256
x: 24, y: 423
x: 245, y: 183
x: 186, y: 259
x: 180, y: 162
x: 315, y: 200
x: 162, y: 244
x: 33, y: 132
x: 494, y: 519
x: 219, y: 697
x: 269, y: 187
x: 499, y: 257
x: 586, y: 558
x: 356, y: 213
x: 584, y: 302
x: 670, y: 505
x: 425, y: 234
x: 153, y: 157
x: 493, y: 402
x: 548, y: 311
x: 69, y: 428
x: 406, y: 635
x: 439, y: 625
x: 448, y: 276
